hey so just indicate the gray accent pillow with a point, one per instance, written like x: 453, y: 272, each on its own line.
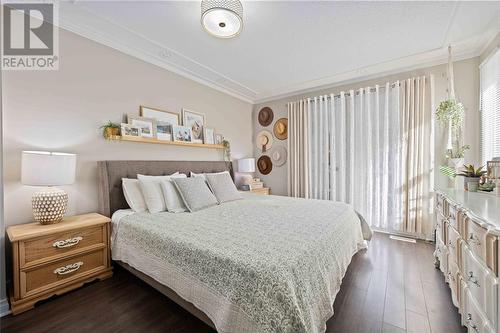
x: 223, y: 187
x: 195, y: 193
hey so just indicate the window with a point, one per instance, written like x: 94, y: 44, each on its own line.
x: 490, y: 107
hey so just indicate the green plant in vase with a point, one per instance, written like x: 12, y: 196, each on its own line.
x: 471, y: 174
x: 110, y: 129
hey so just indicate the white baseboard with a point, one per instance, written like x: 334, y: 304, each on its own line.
x: 4, y: 307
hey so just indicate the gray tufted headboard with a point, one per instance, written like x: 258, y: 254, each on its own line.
x: 110, y: 174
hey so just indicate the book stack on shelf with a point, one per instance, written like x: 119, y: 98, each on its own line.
x: 252, y: 185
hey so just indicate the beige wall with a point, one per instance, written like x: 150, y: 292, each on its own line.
x: 467, y: 90
x: 62, y: 110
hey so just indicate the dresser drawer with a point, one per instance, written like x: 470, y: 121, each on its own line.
x: 61, y: 272
x: 483, y: 244
x: 472, y: 317
x: 61, y: 244
x: 453, y: 243
x: 452, y: 215
x: 440, y: 228
x: 482, y: 284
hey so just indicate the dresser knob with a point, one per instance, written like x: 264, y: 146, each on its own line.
x: 473, y: 239
x: 473, y: 279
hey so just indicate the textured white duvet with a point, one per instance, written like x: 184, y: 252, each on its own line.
x: 261, y: 264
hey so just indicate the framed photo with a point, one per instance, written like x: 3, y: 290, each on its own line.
x: 147, y: 125
x: 164, y: 131
x: 182, y: 134
x: 160, y: 115
x: 218, y: 139
x: 128, y: 130
x: 195, y: 121
x: 209, y: 136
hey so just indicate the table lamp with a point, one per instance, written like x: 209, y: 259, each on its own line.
x: 246, y: 165
x: 48, y: 169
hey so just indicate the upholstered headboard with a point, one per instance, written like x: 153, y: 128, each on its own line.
x: 110, y: 174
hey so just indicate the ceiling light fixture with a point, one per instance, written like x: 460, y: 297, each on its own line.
x: 222, y: 18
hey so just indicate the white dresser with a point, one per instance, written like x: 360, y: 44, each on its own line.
x: 467, y: 236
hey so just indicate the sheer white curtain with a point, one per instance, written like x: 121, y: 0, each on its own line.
x: 360, y: 153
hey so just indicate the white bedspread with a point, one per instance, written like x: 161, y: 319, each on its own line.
x: 261, y: 264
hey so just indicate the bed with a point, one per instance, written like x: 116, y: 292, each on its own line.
x: 259, y: 264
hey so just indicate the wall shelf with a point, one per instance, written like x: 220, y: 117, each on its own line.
x: 163, y: 142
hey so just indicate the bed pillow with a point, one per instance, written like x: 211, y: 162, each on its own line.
x: 223, y: 187
x: 204, y: 175
x: 195, y: 193
x: 133, y: 195
x: 173, y: 199
x: 152, y: 192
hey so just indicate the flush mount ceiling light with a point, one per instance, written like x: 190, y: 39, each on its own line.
x: 222, y: 18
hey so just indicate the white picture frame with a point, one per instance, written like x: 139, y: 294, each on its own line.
x: 218, y: 139
x: 195, y: 121
x: 182, y: 134
x: 208, y: 136
x: 147, y: 125
x: 163, y: 131
x: 130, y: 131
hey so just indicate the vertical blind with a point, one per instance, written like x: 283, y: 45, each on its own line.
x: 490, y: 107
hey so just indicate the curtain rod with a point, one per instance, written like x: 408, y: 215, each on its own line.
x: 348, y: 94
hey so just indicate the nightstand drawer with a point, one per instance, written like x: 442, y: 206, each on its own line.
x: 61, y: 272
x: 36, y: 250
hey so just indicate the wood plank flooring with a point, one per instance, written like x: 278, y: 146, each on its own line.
x: 391, y: 287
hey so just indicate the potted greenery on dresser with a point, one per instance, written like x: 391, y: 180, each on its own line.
x: 472, y: 176
x: 110, y: 130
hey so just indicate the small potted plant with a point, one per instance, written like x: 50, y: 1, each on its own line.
x: 110, y: 129
x: 471, y: 175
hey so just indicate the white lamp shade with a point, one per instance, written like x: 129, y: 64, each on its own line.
x: 43, y: 168
x: 246, y: 165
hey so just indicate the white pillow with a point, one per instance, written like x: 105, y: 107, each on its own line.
x: 206, y: 173
x: 133, y: 195
x: 173, y: 199
x: 152, y: 192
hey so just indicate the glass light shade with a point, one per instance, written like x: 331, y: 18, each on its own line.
x: 222, y: 18
x: 43, y: 168
x: 246, y: 165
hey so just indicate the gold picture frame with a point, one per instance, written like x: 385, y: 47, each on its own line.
x: 173, y: 118
x: 196, y: 121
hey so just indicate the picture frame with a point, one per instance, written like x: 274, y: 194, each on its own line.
x: 218, y: 139
x: 172, y: 118
x: 195, y: 121
x: 147, y: 125
x: 493, y: 169
x: 182, y: 134
x: 208, y: 136
x: 130, y: 131
x: 164, y: 131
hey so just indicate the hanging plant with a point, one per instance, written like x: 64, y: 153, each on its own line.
x: 451, y: 111
x: 459, y: 153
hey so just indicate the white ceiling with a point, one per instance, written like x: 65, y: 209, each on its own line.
x: 288, y: 47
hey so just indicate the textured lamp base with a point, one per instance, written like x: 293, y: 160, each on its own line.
x: 49, y: 206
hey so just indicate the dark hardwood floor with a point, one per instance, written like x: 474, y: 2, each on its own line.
x: 391, y: 287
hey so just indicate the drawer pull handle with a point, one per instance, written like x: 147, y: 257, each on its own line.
x: 67, y: 242
x: 474, y: 240
x: 451, y: 277
x: 471, y: 323
x: 473, y: 279
x: 450, y: 244
x: 68, y: 268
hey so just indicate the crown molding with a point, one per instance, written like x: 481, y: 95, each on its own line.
x: 101, y: 30
x: 464, y: 50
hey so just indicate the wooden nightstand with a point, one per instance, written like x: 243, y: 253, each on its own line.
x: 263, y: 190
x: 52, y: 259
